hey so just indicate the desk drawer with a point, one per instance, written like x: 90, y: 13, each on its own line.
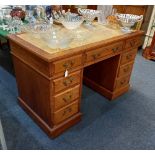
x: 66, y: 97
x: 66, y: 82
x: 125, y: 69
x: 133, y: 42
x: 68, y: 63
x: 104, y: 51
x: 127, y: 57
x: 65, y: 113
x: 122, y: 82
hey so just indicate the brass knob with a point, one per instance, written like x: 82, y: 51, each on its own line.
x: 126, y: 69
x: 115, y: 49
x: 96, y: 55
x: 132, y: 43
x: 129, y: 56
x: 68, y: 81
x: 67, y: 98
x: 69, y: 64
x: 122, y: 82
x: 67, y: 110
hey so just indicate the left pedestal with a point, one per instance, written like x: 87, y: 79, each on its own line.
x: 51, y: 99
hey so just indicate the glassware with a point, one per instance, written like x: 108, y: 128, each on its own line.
x: 114, y: 11
x: 105, y: 11
x: 51, y: 39
x: 6, y: 14
x: 15, y: 25
x: 88, y: 14
x: 57, y: 39
x: 38, y: 27
x: 72, y: 21
x: 128, y: 20
x: 29, y: 16
x: 1, y: 16
x: 39, y: 12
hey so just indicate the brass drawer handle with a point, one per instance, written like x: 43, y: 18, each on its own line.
x: 126, y: 69
x: 115, y: 49
x: 123, y: 82
x: 132, y: 43
x: 67, y: 98
x: 129, y: 56
x: 67, y: 110
x: 68, y: 65
x: 68, y: 81
x: 95, y: 56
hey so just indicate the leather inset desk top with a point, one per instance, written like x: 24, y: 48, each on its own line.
x: 92, y: 35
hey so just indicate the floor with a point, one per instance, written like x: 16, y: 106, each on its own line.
x: 125, y: 123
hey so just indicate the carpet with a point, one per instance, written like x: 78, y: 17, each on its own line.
x: 127, y: 122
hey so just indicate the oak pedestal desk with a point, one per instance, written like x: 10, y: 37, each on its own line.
x: 103, y: 60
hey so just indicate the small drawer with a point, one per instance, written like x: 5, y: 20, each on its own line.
x: 122, y: 82
x: 133, y: 42
x: 67, y: 64
x: 66, y: 82
x: 103, y: 51
x: 127, y: 57
x: 66, y: 97
x: 125, y: 69
x: 65, y: 113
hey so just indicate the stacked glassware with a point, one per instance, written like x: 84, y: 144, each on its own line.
x: 128, y: 20
x: 8, y: 23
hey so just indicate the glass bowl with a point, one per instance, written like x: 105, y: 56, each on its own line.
x: 128, y: 20
x: 72, y: 21
x: 39, y: 27
x: 57, y: 39
x: 88, y: 14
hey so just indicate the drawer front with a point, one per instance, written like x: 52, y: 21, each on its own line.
x: 125, y: 69
x: 127, y: 57
x: 66, y: 97
x: 133, y: 42
x: 122, y: 82
x: 65, y: 113
x: 66, y: 82
x: 104, y: 51
x: 67, y: 64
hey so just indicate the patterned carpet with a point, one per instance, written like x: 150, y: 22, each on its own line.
x: 125, y: 123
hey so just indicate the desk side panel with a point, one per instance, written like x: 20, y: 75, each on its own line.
x: 33, y: 80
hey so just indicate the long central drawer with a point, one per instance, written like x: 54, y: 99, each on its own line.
x: 98, y: 53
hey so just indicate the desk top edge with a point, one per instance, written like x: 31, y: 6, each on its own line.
x: 69, y: 52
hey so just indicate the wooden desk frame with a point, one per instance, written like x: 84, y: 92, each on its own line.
x: 52, y: 100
